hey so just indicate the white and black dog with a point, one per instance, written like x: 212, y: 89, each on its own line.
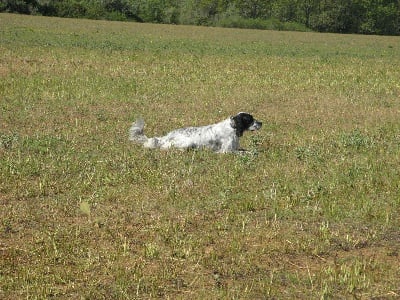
x: 220, y: 137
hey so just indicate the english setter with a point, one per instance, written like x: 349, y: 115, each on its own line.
x: 220, y: 137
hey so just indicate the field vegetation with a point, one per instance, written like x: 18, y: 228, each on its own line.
x: 310, y: 211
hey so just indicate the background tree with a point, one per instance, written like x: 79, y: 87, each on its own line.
x: 354, y: 16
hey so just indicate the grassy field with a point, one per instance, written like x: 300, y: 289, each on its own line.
x: 311, y: 211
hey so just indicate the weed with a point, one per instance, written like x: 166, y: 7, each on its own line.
x: 151, y: 251
x: 356, y: 140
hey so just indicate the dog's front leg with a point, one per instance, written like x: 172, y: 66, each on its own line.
x: 229, y: 145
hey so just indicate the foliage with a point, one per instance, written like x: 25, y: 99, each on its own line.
x: 270, y: 24
x: 356, y: 16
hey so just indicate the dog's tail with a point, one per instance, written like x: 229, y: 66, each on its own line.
x: 136, y: 132
x: 137, y: 135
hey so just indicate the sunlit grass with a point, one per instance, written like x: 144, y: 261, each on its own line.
x: 310, y: 212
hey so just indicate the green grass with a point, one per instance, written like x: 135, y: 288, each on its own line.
x: 312, y: 211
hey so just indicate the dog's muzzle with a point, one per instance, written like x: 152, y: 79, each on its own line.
x: 255, y: 126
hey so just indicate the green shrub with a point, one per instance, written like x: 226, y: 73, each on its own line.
x: 264, y: 24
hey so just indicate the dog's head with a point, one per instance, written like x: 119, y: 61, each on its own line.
x: 244, y: 121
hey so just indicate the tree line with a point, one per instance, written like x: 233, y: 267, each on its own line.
x: 341, y: 16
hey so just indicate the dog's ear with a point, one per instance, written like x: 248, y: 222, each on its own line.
x: 237, y: 124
